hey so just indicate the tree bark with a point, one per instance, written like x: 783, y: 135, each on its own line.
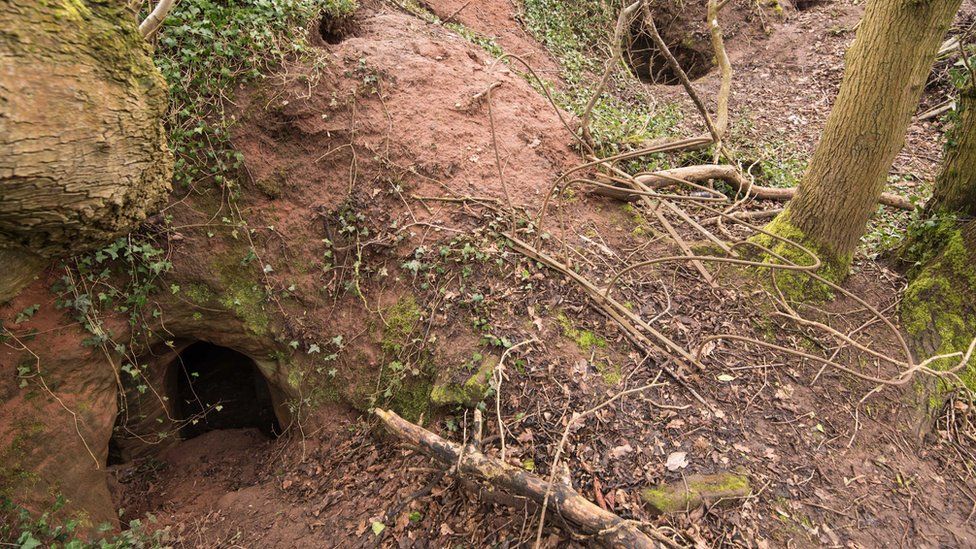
x: 955, y: 186
x: 938, y: 309
x: 83, y: 154
x: 885, y: 72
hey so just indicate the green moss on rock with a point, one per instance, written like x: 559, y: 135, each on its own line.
x: 412, y: 401
x: 242, y: 292
x: 401, y: 320
x: 15, y: 460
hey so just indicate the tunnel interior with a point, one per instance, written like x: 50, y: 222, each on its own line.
x: 220, y: 388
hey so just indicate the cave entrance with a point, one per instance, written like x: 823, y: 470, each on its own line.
x: 649, y: 63
x: 220, y: 388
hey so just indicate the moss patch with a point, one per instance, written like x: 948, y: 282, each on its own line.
x: 695, y: 490
x: 15, y: 463
x: 469, y: 393
x: 585, y: 339
x: 939, y: 307
x: 242, y: 292
x: 794, y: 285
x: 412, y: 401
x: 610, y: 372
x: 401, y: 320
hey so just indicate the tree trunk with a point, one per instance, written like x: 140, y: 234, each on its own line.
x: 886, y: 68
x: 955, y: 186
x: 939, y: 306
x: 83, y: 154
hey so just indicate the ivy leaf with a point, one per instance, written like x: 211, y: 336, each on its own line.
x: 26, y: 313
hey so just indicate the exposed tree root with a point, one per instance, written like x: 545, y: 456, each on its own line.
x: 731, y: 175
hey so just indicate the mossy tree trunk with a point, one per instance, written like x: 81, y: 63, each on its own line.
x: 83, y: 154
x: 885, y: 72
x: 939, y: 307
x: 955, y: 186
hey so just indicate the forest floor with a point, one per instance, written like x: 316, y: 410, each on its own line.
x: 826, y: 468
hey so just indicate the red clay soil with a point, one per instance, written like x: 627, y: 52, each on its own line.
x: 498, y: 20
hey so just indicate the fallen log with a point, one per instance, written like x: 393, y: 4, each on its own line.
x: 731, y: 175
x: 564, y: 501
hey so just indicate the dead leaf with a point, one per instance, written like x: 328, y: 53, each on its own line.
x: 677, y: 460
x: 621, y: 451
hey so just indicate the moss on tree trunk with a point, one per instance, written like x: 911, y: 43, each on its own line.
x: 939, y: 307
x: 83, y: 154
x: 885, y: 72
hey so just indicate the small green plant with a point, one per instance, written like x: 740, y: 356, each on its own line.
x: 339, y: 8
x: 205, y: 48
x: 27, y: 313
x: 19, y: 528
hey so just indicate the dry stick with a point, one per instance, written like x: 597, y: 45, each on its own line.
x: 154, y: 20
x: 725, y: 68
x: 624, y: 318
x: 625, y: 179
x: 751, y: 216
x: 545, y: 90
x: 671, y: 230
x: 649, y: 23
x: 731, y: 175
x: 562, y: 443
x: 500, y: 373
x: 623, y: 20
x: 611, y: 529
x: 678, y: 145
x: 637, y: 193
x: 498, y: 160
x: 457, y: 12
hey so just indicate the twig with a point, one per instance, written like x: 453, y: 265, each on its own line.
x: 499, y: 375
x: 562, y: 443
x: 682, y: 76
x: 155, y: 19
x: 589, y: 517
x: 623, y: 21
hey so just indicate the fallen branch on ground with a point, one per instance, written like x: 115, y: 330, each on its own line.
x: 731, y: 175
x: 608, y: 528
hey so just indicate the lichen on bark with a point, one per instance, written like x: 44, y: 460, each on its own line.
x: 939, y: 306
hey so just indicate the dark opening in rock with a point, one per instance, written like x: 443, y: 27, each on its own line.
x: 333, y: 29
x: 650, y: 65
x: 802, y: 5
x: 219, y: 388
